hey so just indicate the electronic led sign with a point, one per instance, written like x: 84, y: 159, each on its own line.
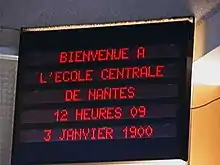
x: 101, y: 94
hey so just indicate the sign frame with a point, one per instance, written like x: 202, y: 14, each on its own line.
x: 187, y: 92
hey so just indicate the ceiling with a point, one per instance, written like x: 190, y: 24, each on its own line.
x: 29, y: 13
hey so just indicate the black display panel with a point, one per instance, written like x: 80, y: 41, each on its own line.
x: 114, y: 93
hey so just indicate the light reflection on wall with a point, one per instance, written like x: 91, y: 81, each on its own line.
x: 206, y: 69
x: 154, y: 162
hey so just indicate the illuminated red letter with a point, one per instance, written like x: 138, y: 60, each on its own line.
x: 42, y: 81
x: 93, y: 136
x: 118, y: 112
x: 150, y: 72
x: 92, y: 94
x: 48, y: 134
x: 57, y: 77
x: 109, y: 133
x: 103, y: 76
x: 141, y: 52
x: 86, y: 115
x: 78, y: 56
x: 70, y: 134
x: 88, y: 75
x: 68, y: 95
x: 85, y: 133
x: 131, y: 92
x: 124, y: 53
x: 63, y: 57
x: 159, y: 72
x: 79, y: 114
x: 100, y: 133
x: 63, y: 135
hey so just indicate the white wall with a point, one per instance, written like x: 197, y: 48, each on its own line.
x: 7, y: 91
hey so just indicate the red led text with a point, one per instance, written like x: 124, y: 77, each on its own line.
x: 138, y: 112
x: 105, y: 113
x: 101, y: 94
x: 111, y: 93
x: 137, y: 132
x: 72, y: 95
x: 86, y: 134
x: 101, y: 113
x: 61, y: 115
x: 99, y: 133
x: 93, y: 55
x: 73, y: 76
x: 141, y: 52
x: 132, y: 72
x: 48, y: 135
x: 87, y: 75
